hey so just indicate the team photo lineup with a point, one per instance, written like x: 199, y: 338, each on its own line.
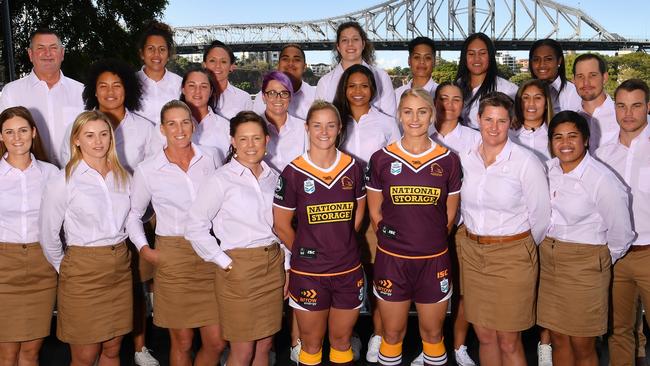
x: 230, y: 217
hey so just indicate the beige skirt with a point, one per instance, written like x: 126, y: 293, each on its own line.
x: 251, y: 295
x: 499, y: 283
x: 573, y: 288
x: 183, y: 286
x: 95, y: 298
x: 27, y: 292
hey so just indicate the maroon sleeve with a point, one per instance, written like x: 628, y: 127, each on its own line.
x: 455, y: 175
x: 285, y: 192
x: 373, y: 173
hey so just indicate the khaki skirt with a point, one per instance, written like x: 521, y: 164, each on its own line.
x: 251, y: 294
x: 27, y: 292
x: 499, y: 283
x: 95, y: 296
x: 183, y: 286
x: 573, y: 288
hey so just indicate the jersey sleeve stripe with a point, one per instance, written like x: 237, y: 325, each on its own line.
x: 373, y: 189
x: 283, y: 207
x: 362, y: 197
x: 454, y: 192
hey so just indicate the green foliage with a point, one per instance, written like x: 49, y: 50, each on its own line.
x: 180, y: 65
x: 520, y: 78
x: 444, y: 71
x: 505, y: 71
x: 89, y: 30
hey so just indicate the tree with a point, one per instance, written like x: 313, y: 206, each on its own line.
x: 444, y: 71
x: 520, y: 78
x: 89, y: 30
x: 505, y: 71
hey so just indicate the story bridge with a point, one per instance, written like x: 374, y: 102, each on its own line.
x: 512, y: 24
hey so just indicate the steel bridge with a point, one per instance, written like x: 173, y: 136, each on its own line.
x: 512, y: 24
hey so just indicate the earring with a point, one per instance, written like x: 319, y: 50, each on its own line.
x: 266, y: 153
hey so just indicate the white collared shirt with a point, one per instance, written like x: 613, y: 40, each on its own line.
x: 470, y: 113
x: 156, y: 93
x: 53, y: 109
x: 239, y: 209
x: 566, y: 100
x: 536, y: 140
x: 508, y: 197
x: 232, y: 101
x: 136, y: 138
x: 287, y: 144
x: 603, y: 128
x: 20, y: 199
x: 589, y: 205
x: 384, y: 100
x: 91, y: 208
x: 632, y: 166
x: 214, y: 132
x: 170, y: 190
x: 460, y: 140
x: 430, y: 86
x: 299, y: 105
x: 373, y: 131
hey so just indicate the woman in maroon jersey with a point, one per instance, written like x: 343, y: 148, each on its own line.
x: 413, y: 195
x: 324, y: 189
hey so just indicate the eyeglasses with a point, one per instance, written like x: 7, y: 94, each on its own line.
x: 284, y: 94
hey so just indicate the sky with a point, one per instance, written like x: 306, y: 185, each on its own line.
x: 629, y: 18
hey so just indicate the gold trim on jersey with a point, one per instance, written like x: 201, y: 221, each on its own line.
x: 412, y: 256
x: 325, y: 274
x: 328, y: 178
x: 416, y: 163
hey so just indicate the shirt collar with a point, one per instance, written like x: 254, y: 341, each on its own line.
x: 5, y: 167
x: 33, y: 79
x: 161, y: 161
x: 237, y: 168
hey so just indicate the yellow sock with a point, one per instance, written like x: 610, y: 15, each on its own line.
x: 434, y: 353
x: 390, y: 354
x: 309, y: 358
x: 337, y: 356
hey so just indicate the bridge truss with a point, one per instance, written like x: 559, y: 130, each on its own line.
x: 512, y: 24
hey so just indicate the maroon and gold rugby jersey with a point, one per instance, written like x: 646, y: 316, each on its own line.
x: 415, y: 190
x: 325, y: 202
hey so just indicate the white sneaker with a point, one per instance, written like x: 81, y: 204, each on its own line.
x: 295, y: 352
x: 144, y: 358
x: 419, y: 361
x: 372, y: 355
x: 544, y: 355
x: 462, y: 357
x: 355, y: 344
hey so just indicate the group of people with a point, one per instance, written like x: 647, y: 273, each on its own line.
x: 519, y: 205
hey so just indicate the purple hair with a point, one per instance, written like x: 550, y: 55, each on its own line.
x: 280, y: 77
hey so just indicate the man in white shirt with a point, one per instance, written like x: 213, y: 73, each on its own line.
x: 292, y: 63
x: 629, y: 157
x: 53, y: 99
x: 589, y: 76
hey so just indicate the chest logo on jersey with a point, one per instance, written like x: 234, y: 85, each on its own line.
x: 414, y: 195
x: 436, y: 170
x: 329, y: 212
x: 395, y: 168
x: 309, y: 186
x: 346, y: 183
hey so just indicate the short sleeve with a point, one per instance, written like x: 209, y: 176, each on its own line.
x: 373, y: 173
x: 455, y: 175
x: 285, y: 192
x: 360, y: 182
